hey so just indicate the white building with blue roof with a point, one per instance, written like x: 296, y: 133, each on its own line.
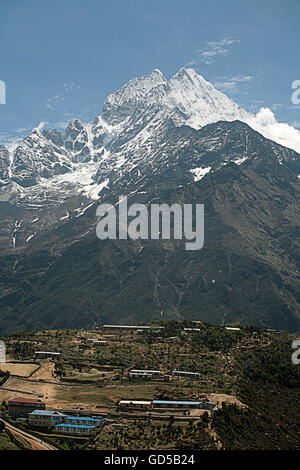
x: 206, y: 405
x: 45, y: 418
x: 78, y: 429
x: 60, y: 422
x: 83, y: 420
x: 176, y: 404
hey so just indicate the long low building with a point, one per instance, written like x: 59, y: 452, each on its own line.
x: 191, y: 329
x: 135, y: 404
x: 202, y: 405
x: 76, y: 429
x: 130, y: 327
x: 186, y: 374
x: 146, y: 374
x: 176, y: 404
x: 83, y: 420
x: 147, y: 371
x: 97, y: 342
x: 45, y: 354
x: 181, y: 404
x: 165, y: 404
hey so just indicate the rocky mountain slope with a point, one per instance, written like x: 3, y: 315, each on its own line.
x: 156, y: 141
x: 247, y: 270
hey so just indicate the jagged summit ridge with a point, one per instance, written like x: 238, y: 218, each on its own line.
x: 132, y: 129
x: 186, y: 92
x: 121, y: 104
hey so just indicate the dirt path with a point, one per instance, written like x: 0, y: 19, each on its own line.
x: 34, y: 442
x: 45, y: 372
x: 212, y: 433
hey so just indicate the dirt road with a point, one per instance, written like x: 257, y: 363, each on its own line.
x: 34, y: 442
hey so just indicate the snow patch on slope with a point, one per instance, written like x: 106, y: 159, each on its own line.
x: 199, y: 172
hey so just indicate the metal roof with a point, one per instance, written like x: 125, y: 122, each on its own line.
x: 74, y: 426
x: 133, y: 326
x: 25, y: 400
x: 83, y: 418
x: 175, y: 402
x: 135, y: 402
x: 47, y: 413
x: 46, y: 352
x: 191, y: 329
x: 185, y: 372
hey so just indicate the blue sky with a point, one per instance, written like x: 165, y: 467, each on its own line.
x: 60, y: 59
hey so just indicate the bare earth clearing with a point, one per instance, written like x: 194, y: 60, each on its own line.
x: 22, y: 370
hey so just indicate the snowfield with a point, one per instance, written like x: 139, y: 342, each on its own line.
x: 128, y: 141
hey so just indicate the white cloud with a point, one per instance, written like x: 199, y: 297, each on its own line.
x: 50, y: 101
x: 13, y: 144
x: 232, y: 84
x: 21, y: 130
x: 70, y: 87
x: 212, y: 49
x: 265, y: 122
x: 191, y: 63
x: 9, y: 141
x: 64, y: 90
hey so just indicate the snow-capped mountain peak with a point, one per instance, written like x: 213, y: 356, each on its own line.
x: 200, y: 101
x: 120, y: 104
x: 197, y: 101
x: 132, y: 129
